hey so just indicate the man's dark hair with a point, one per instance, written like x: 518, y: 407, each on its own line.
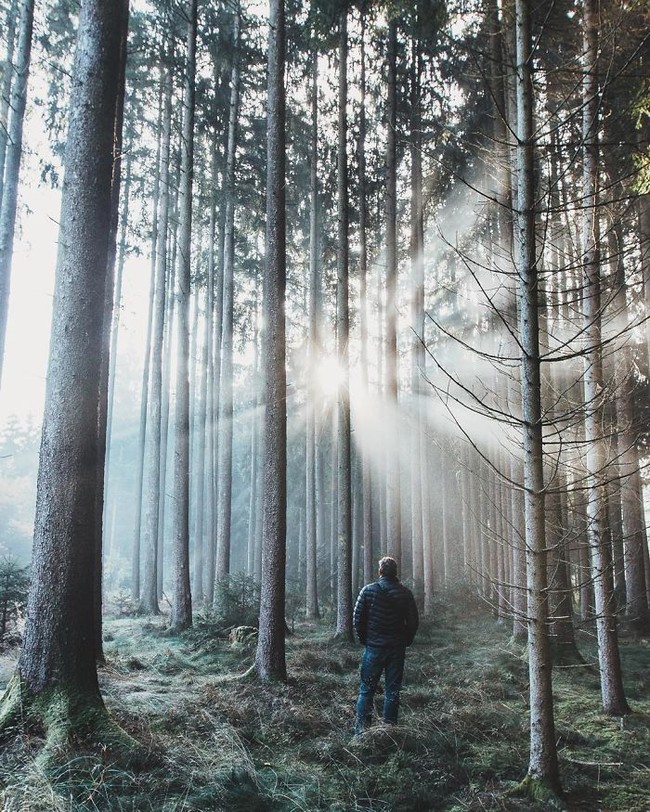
x: 388, y: 567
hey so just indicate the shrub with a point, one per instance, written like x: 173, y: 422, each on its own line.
x: 14, y: 584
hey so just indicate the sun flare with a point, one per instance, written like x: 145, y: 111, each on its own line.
x: 329, y: 376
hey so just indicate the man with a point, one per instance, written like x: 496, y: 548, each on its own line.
x: 385, y: 620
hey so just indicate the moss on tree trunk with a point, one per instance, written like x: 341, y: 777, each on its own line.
x: 70, y: 720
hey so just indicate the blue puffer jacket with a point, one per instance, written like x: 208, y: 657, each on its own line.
x: 385, y: 614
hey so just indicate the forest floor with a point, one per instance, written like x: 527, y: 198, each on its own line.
x: 219, y: 742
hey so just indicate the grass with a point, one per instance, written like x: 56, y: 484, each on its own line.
x: 221, y: 743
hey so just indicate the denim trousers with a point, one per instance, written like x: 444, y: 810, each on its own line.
x: 378, y: 659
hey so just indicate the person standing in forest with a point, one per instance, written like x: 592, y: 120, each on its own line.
x: 385, y: 620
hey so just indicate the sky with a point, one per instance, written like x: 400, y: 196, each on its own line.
x: 30, y: 306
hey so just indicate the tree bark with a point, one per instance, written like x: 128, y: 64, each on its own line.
x: 270, y: 659
x: 122, y: 11
x: 136, y: 545
x: 5, y: 98
x: 611, y: 679
x: 12, y: 162
x: 311, y: 523
x: 151, y: 474
x: 181, y: 610
x: 57, y: 668
x: 418, y: 352
x: 366, y: 473
x: 224, y: 467
x: 344, y: 468
x: 393, y: 490
x: 543, y: 764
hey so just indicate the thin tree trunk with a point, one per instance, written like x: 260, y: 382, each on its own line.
x: 633, y: 531
x: 122, y: 11
x: 114, y: 332
x: 417, y: 318
x: 311, y: 597
x: 543, y: 764
x: 393, y: 490
x: 224, y: 467
x: 254, y: 455
x: 611, y: 679
x: 152, y: 456
x: 344, y: 467
x: 12, y: 163
x: 12, y: 18
x: 181, y: 611
x: 144, y: 391
x: 366, y: 474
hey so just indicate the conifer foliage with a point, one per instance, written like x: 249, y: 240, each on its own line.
x: 396, y: 268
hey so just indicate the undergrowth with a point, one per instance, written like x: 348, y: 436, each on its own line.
x: 217, y: 742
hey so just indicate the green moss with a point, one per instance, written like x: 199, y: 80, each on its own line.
x: 540, y: 791
x: 70, y: 721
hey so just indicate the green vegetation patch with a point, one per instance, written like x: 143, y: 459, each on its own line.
x: 219, y: 740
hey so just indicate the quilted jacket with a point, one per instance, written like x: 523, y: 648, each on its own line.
x: 385, y: 614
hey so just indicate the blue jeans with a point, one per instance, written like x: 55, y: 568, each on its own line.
x: 388, y: 659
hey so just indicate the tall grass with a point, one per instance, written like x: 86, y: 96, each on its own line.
x: 221, y: 743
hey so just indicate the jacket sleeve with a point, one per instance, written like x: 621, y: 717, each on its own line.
x: 360, y: 617
x: 412, y: 619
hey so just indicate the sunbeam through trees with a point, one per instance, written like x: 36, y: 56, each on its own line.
x: 329, y: 281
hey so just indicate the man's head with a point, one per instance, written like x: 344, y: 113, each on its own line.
x: 388, y: 567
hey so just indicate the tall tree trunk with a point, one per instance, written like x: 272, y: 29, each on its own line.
x: 136, y: 546
x: 311, y: 526
x: 224, y: 509
x: 181, y: 611
x: 611, y: 679
x: 270, y: 660
x: 253, y: 505
x: 114, y: 333
x: 121, y: 11
x: 57, y: 664
x: 344, y: 467
x: 152, y: 490
x: 212, y: 408
x: 393, y: 491
x: 633, y: 530
x: 418, y: 352
x: 366, y: 474
x: 543, y: 765
x: 5, y: 98
x: 204, y: 425
x: 12, y: 162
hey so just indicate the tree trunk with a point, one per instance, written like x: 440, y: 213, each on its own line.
x: 418, y: 352
x: 311, y: 525
x: 57, y: 667
x: 224, y: 467
x: 181, y: 611
x: 144, y: 390
x: 114, y: 332
x: 393, y: 490
x: 5, y: 97
x: 12, y: 162
x: 270, y: 661
x: 366, y: 474
x: 633, y: 530
x: 107, y: 321
x: 611, y: 679
x: 344, y: 468
x: 543, y: 765
x: 152, y: 489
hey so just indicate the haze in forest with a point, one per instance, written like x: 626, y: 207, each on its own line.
x: 328, y: 281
